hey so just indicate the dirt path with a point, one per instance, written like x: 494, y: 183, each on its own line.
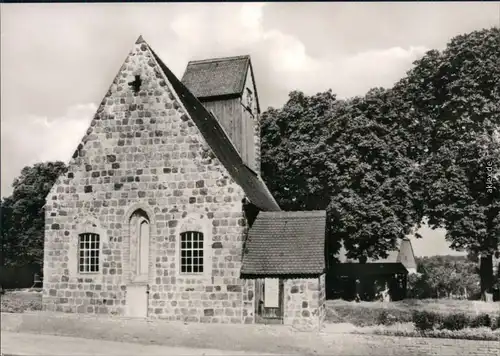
x: 41, y: 345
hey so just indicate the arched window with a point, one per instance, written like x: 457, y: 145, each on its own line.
x: 143, y: 250
x: 88, y: 253
x: 191, y: 252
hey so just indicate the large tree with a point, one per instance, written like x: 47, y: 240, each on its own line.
x: 349, y: 157
x: 296, y: 176
x: 455, y: 96
x: 380, y: 163
x: 23, y: 218
x: 373, y: 204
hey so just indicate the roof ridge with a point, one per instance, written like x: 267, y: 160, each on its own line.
x: 219, y: 59
x: 299, y: 212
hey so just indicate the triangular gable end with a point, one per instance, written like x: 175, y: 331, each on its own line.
x: 146, y: 76
x: 151, y: 74
x: 406, y: 256
x: 250, y: 66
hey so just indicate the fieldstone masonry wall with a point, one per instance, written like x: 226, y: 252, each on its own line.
x: 304, y: 307
x: 142, y: 151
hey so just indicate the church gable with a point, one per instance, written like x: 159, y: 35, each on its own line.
x: 140, y: 129
x: 142, y: 189
x: 147, y: 105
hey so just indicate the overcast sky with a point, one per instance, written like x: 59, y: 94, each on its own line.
x: 58, y: 60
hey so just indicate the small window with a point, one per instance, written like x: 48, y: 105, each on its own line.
x: 88, y: 251
x: 192, y: 252
x: 249, y: 99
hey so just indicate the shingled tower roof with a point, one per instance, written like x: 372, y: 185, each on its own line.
x: 218, y: 78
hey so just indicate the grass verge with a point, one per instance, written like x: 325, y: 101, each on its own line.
x: 21, y: 301
x: 408, y: 330
x: 368, y: 313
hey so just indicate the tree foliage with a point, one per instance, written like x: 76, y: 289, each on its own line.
x: 443, y: 276
x: 297, y: 177
x: 349, y: 157
x: 381, y: 163
x: 456, y: 99
x: 22, y: 214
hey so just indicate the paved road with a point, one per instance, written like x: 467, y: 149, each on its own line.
x: 23, y: 344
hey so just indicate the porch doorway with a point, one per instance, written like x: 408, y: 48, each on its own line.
x: 269, y: 301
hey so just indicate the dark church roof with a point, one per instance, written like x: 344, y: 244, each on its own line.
x: 368, y: 269
x: 403, y: 254
x: 285, y: 243
x: 216, y: 77
x: 221, y: 145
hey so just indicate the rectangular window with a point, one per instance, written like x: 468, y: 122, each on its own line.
x: 88, y: 253
x: 192, y: 252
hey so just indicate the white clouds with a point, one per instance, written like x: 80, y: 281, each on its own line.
x: 57, y: 138
x: 251, y: 15
x: 347, y: 76
x: 187, y: 27
x: 356, y: 74
x: 179, y: 33
x: 286, y: 53
x: 32, y: 139
x: 386, y: 57
x: 290, y: 66
x: 289, y: 54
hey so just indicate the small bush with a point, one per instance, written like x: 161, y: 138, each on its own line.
x: 455, y: 322
x: 424, y: 320
x: 482, y: 320
x: 385, y: 318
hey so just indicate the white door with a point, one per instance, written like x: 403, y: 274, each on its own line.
x: 137, y: 300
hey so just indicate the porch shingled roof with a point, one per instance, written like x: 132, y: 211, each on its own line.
x: 286, y: 243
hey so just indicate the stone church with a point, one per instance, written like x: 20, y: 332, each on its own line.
x: 163, y: 212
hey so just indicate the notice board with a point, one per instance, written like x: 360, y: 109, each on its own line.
x: 271, y: 293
